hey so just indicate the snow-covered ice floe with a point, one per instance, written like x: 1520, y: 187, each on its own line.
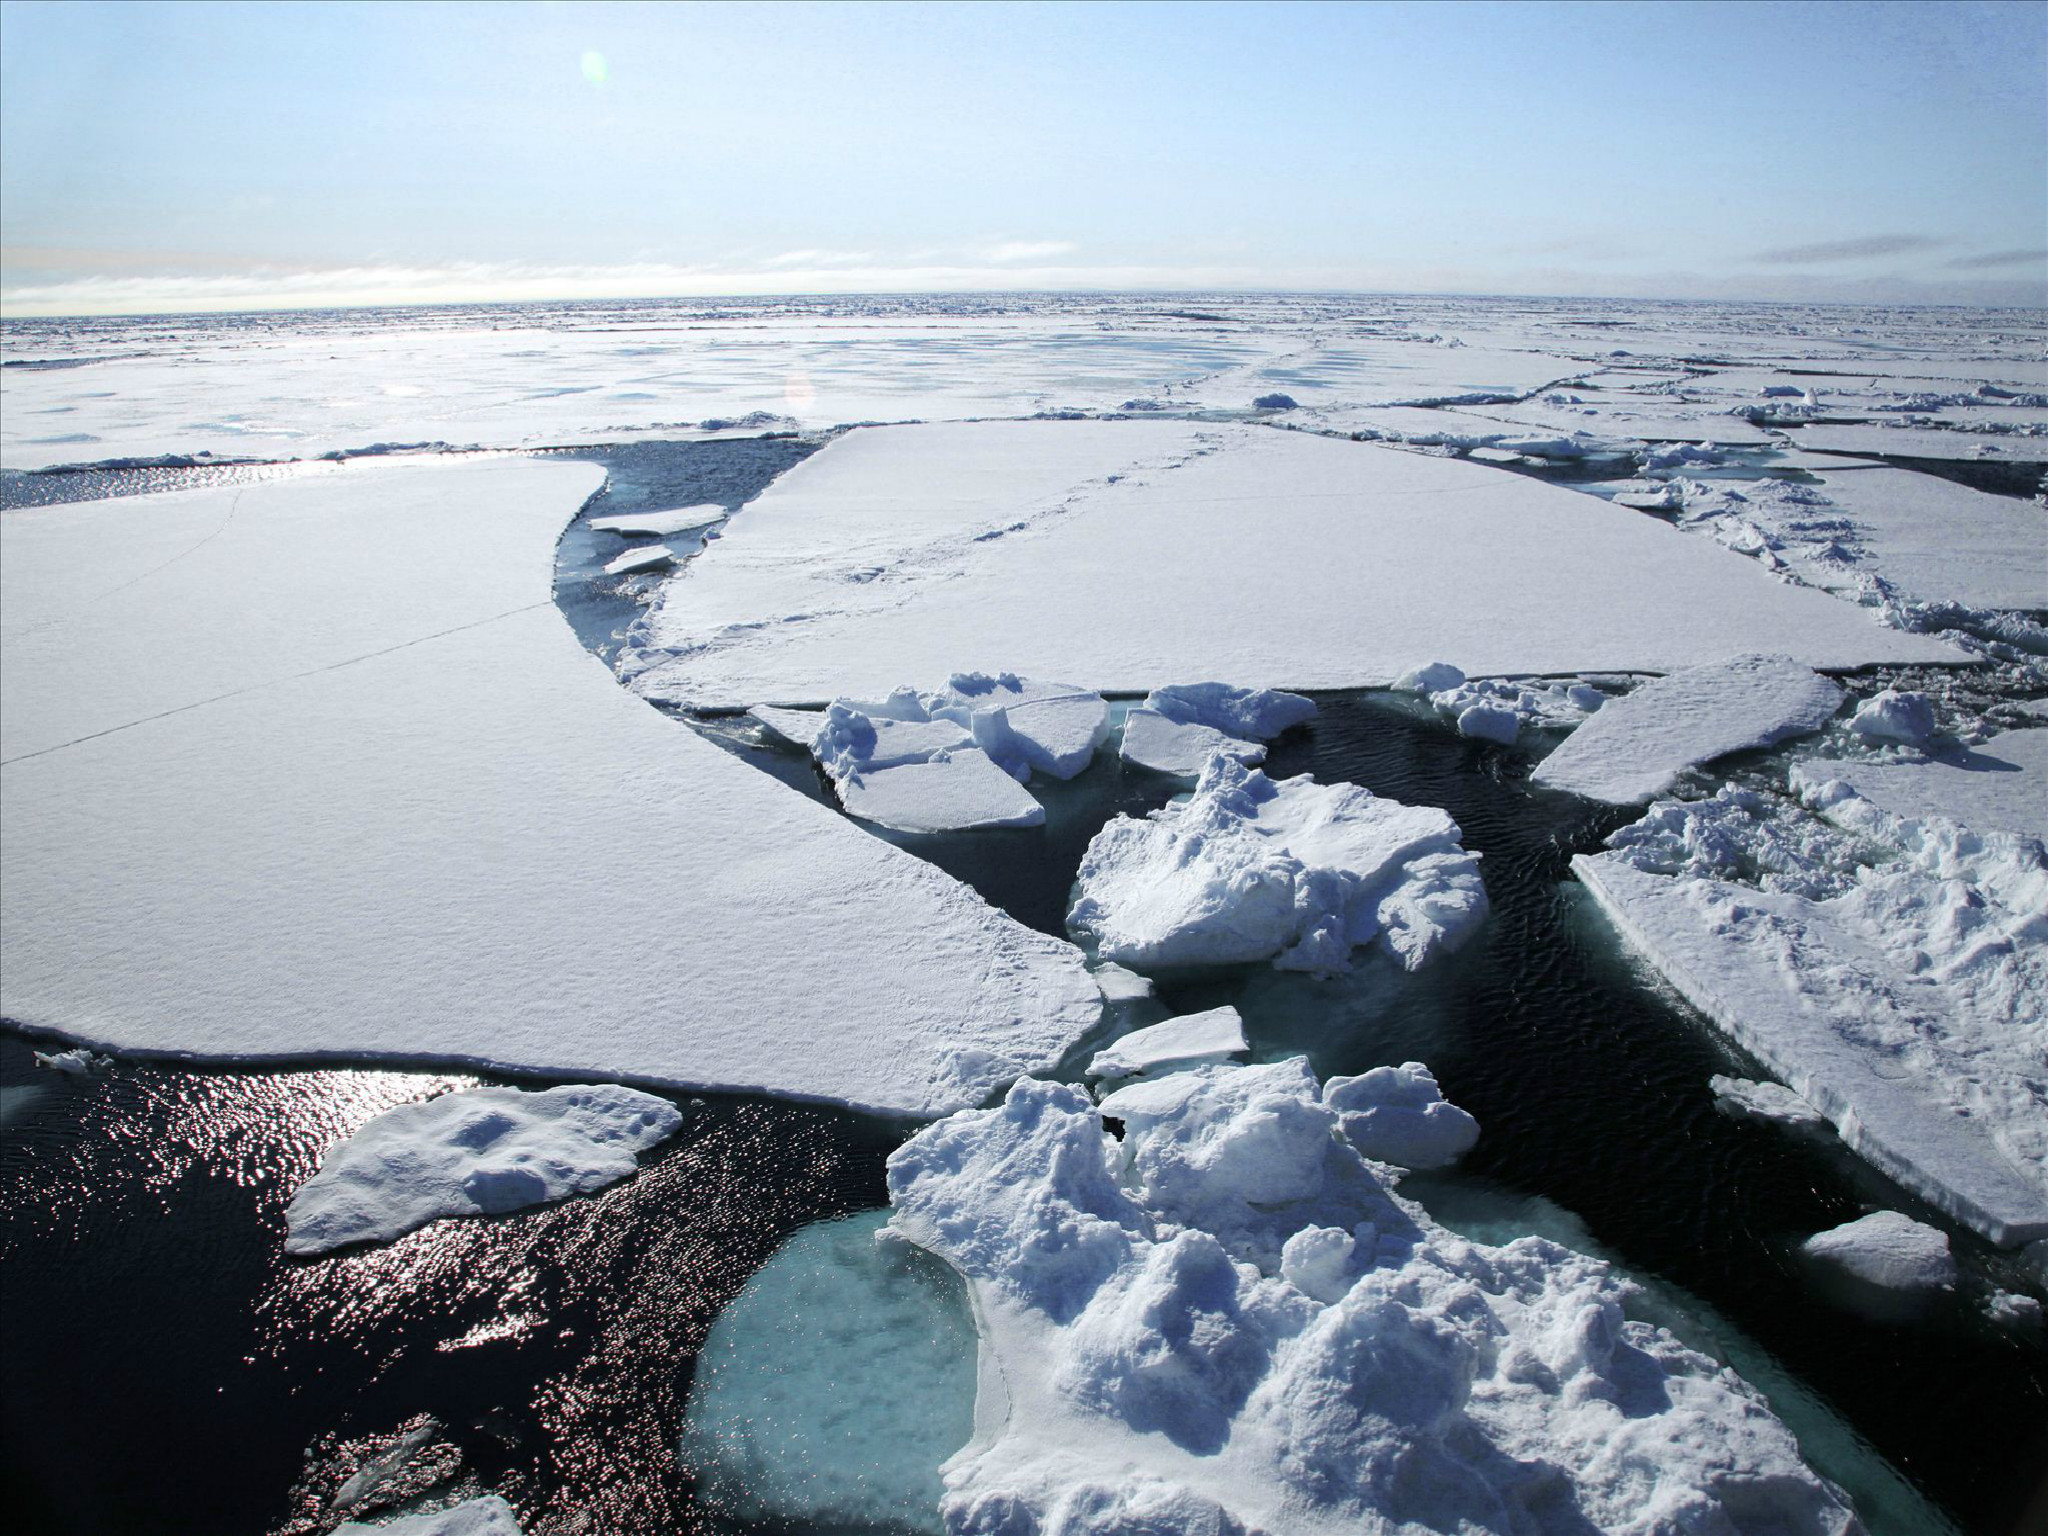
x: 487, y: 1516
x: 1892, y: 970
x: 644, y: 557
x: 1189, y: 1040
x: 1297, y: 872
x: 1226, y: 1322
x: 483, y: 1152
x: 1178, y: 729
x: 1637, y: 746
x: 1070, y: 549
x: 357, y: 798
x: 2000, y: 785
x: 1887, y: 1249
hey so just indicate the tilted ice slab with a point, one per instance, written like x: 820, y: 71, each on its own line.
x: 1225, y: 1322
x: 1185, y: 1041
x: 1246, y: 869
x: 483, y: 1152
x: 1114, y: 554
x: 350, y: 798
x: 1911, y: 1009
x: 1179, y: 728
x: 2000, y: 785
x: 661, y: 524
x: 488, y: 1516
x: 1637, y: 746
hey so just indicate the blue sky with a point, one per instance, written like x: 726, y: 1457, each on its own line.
x: 174, y: 156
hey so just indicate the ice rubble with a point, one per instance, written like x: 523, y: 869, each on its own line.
x: 1225, y: 1322
x: 1070, y: 550
x: 1637, y: 746
x: 478, y: 1153
x: 1893, y: 971
x: 356, y: 799
x: 1179, y: 1042
x: 1887, y: 1249
x: 487, y: 1516
x: 1496, y: 709
x: 1179, y: 728
x: 1297, y: 872
x: 1399, y: 1115
x: 1772, y: 1103
x: 2000, y: 785
x: 1890, y: 715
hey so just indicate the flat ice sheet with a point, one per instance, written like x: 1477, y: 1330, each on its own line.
x: 1941, y: 542
x: 2000, y: 786
x: 297, y: 786
x: 1116, y: 555
x: 1921, y: 443
x: 1637, y: 746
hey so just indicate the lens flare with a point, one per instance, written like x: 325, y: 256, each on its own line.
x: 594, y: 67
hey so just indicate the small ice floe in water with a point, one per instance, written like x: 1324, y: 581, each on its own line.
x: 1773, y: 1103
x: 1887, y: 1249
x: 661, y: 524
x: 1191, y: 1039
x: 1296, y: 872
x: 645, y: 557
x: 1636, y: 747
x: 76, y: 1062
x: 1496, y: 709
x: 1399, y: 1115
x: 1179, y: 728
x: 1241, y: 1327
x: 487, y: 1516
x: 1489, y: 722
x: 2010, y: 1309
x: 477, y: 1153
x: 1895, y: 716
x: 951, y: 760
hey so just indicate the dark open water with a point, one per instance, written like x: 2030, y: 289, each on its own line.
x: 167, y: 1369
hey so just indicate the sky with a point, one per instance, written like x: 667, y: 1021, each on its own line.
x: 172, y: 156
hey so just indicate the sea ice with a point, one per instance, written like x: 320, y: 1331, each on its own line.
x: 1487, y: 721
x: 956, y: 791
x: 1180, y: 748
x: 479, y: 1153
x: 358, y: 799
x: 1895, y: 716
x: 1772, y: 1103
x: 1637, y: 746
x: 1436, y: 677
x: 2000, y: 785
x: 1246, y: 869
x: 1180, y: 1042
x: 487, y: 1516
x: 1225, y: 1322
x: 643, y: 557
x: 1028, y: 727
x: 1887, y: 1249
x: 1119, y: 985
x: 661, y: 524
x: 1398, y: 1115
x: 1178, y: 729
x: 1069, y: 549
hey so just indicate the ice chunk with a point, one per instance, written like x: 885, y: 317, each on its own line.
x: 2000, y: 785
x: 1398, y: 1115
x: 2010, y: 1309
x: 488, y: 1516
x: 77, y: 1062
x: 482, y: 1152
x: 1119, y: 985
x: 1183, y: 749
x: 1772, y: 1103
x: 423, y: 808
x: 1225, y: 1322
x: 1895, y: 716
x: 1179, y: 1042
x: 832, y: 1387
x: 1250, y: 714
x: 852, y: 741
x: 798, y: 727
x: 1888, y: 1249
x: 1637, y: 746
x: 642, y: 557
x: 1298, y: 872
x: 661, y: 524
x: 955, y: 791
x: 1437, y: 677
x: 1490, y: 722
x: 1028, y: 727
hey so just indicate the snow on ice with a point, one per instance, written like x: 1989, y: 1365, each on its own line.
x: 355, y: 798
x: 1179, y: 728
x: 482, y: 1152
x: 2000, y: 785
x: 1636, y: 747
x: 1185, y: 1041
x: 1399, y: 1115
x: 1225, y: 1321
x: 1887, y: 1249
x: 1247, y: 869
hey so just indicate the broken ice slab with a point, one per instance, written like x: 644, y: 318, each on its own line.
x: 661, y: 524
x: 646, y: 557
x: 1179, y: 1042
x: 958, y: 791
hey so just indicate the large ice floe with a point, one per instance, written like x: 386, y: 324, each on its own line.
x: 1637, y: 746
x: 949, y: 760
x: 1892, y: 969
x: 1073, y: 549
x: 479, y: 1153
x: 1226, y: 1322
x: 353, y: 789
x: 1248, y: 869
